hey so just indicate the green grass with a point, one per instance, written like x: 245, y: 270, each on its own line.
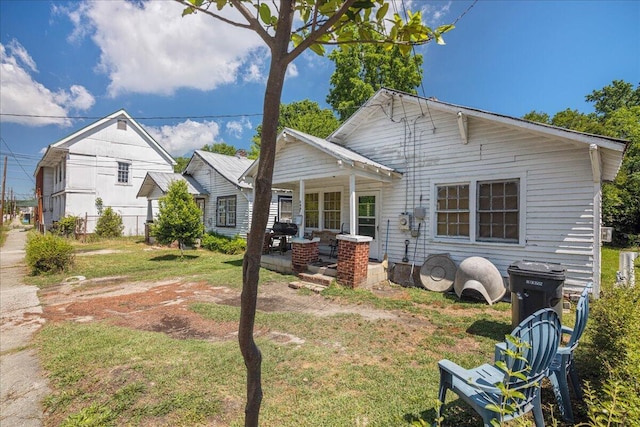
x: 341, y: 370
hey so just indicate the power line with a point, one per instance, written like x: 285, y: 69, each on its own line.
x: 17, y: 161
x: 220, y: 116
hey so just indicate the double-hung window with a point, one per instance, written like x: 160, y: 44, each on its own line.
x: 123, y: 173
x: 285, y: 209
x: 311, y: 210
x: 331, y: 211
x: 323, y: 209
x: 479, y: 211
x: 226, y: 211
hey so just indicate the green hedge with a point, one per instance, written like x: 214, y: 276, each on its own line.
x: 223, y: 244
x: 48, y: 253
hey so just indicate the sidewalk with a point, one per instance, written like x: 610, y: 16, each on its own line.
x: 22, y: 384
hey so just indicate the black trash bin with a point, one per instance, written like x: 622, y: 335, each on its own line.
x: 535, y: 285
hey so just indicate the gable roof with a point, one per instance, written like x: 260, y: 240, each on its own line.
x: 229, y: 167
x: 62, y: 146
x: 163, y: 180
x: 384, y: 95
x: 341, y: 153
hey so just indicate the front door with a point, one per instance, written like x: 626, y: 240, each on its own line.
x: 368, y: 221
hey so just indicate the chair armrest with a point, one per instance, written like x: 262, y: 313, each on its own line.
x: 482, y: 377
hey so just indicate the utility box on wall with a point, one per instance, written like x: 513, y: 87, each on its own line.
x: 404, y: 222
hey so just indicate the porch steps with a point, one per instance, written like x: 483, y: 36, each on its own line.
x: 315, y: 287
x: 317, y: 278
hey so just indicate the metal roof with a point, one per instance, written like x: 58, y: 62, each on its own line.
x: 163, y: 180
x: 230, y: 167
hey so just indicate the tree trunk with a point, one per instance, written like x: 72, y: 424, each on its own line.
x: 262, y: 184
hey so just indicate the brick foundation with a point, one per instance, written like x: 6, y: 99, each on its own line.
x: 303, y: 253
x: 353, y: 260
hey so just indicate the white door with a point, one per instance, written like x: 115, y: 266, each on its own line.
x: 367, y: 221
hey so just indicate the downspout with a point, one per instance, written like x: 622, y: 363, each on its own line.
x: 596, y: 168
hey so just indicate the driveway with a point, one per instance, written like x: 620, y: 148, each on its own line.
x: 22, y: 384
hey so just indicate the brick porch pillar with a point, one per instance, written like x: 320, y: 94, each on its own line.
x: 353, y: 259
x: 303, y: 252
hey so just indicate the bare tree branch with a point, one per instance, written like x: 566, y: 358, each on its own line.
x: 214, y: 15
x: 254, y: 24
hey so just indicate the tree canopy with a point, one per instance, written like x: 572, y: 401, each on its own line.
x: 305, y: 116
x: 181, y: 164
x: 362, y: 69
x: 221, y: 148
x: 617, y: 114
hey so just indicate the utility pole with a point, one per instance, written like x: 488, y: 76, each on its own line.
x: 4, y: 179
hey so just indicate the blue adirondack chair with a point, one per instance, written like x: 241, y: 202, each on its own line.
x: 477, y: 387
x: 562, y: 369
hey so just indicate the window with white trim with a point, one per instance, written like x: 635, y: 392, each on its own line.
x: 452, y: 210
x: 498, y: 211
x: 285, y: 209
x: 123, y: 172
x: 226, y: 211
x: 331, y: 210
x: 311, y: 210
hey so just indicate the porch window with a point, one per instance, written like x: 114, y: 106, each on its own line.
x: 452, y: 210
x: 123, y: 173
x: 285, y: 209
x: 311, y: 210
x: 226, y: 211
x: 331, y: 210
x: 498, y: 211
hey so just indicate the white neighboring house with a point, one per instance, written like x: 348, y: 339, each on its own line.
x: 473, y: 183
x: 226, y: 202
x: 107, y: 159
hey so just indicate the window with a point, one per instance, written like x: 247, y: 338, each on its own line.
x: 201, y: 204
x: 226, y: 215
x: 498, y: 211
x: 331, y: 210
x: 285, y: 209
x: 123, y: 173
x: 122, y: 124
x: 311, y: 210
x: 452, y: 210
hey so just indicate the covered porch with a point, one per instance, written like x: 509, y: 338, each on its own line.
x: 337, y: 194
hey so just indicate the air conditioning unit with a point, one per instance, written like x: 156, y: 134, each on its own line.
x: 404, y: 222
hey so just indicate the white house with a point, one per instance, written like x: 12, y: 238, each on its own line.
x: 107, y: 160
x: 449, y: 179
x: 226, y: 202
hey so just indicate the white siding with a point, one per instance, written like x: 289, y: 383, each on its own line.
x: 555, y: 177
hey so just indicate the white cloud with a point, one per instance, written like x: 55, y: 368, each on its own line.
x: 32, y: 103
x: 237, y: 127
x: 185, y: 136
x: 292, y: 71
x: 150, y: 48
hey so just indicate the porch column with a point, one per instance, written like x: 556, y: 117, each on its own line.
x: 149, y: 210
x: 353, y: 260
x: 303, y: 253
x: 301, y: 200
x: 352, y: 206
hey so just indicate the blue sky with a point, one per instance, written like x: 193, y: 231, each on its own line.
x: 193, y: 81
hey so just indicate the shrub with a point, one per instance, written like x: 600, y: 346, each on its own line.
x: 109, y: 224
x: 48, y: 253
x: 226, y: 245
x: 615, y: 325
x: 66, y: 226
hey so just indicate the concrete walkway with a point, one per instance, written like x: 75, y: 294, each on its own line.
x: 22, y: 384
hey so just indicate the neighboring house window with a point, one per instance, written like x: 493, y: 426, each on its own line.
x: 331, y: 211
x: 123, y: 172
x: 285, y: 209
x: 226, y: 215
x: 452, y: 210
x: 122, y: 124
x: 201, y: 204
x: 498, y: 211
x: 311, y: 210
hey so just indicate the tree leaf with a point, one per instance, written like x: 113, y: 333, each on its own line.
x: 265, y: 13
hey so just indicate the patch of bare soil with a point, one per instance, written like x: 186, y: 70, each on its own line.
x: 164, y: 306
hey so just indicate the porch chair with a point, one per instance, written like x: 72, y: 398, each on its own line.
x: 478, y: 386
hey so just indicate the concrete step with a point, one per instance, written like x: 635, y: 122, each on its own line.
x: 327, y: 270
x: 315, y: 287
x: 317, y: 278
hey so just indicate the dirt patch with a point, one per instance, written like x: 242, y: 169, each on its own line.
x: 164, y: 307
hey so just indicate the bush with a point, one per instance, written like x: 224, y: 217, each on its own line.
x: 226, y: 245
x: 65, y: 226
x: 48, y: 253
x: 615, y: 325
x: 109, y: 224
